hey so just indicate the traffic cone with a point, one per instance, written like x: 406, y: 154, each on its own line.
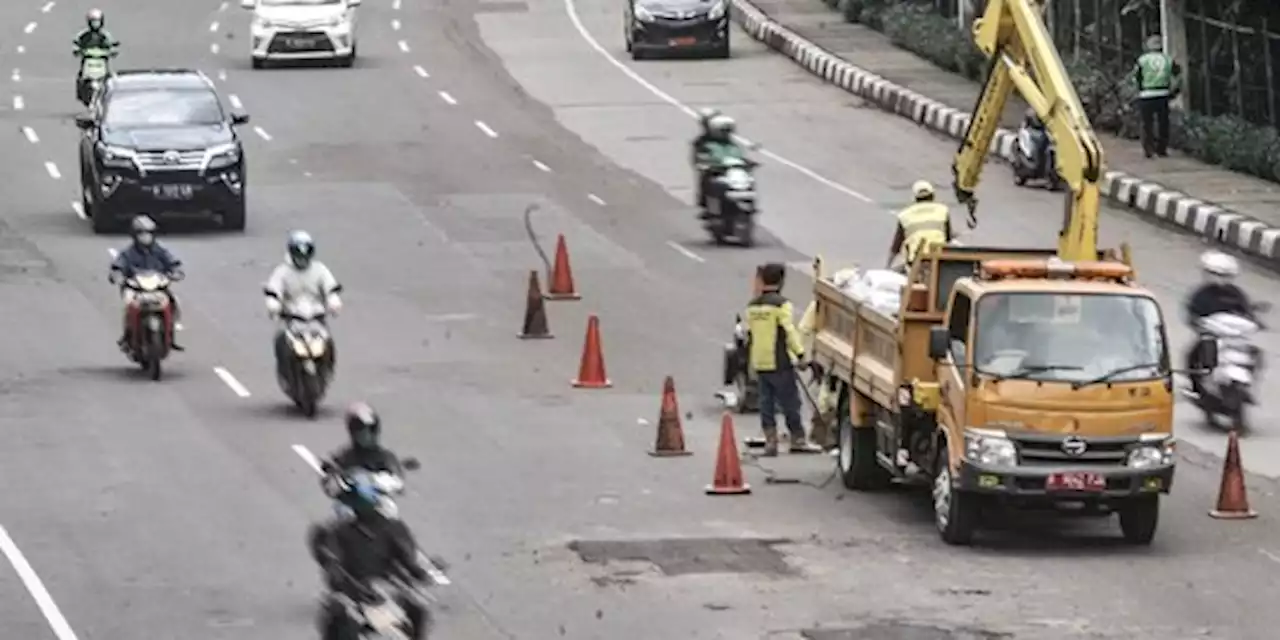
x: 670, y: 440
x: 728, y: 479
x: 591, y: 373
x: 535, y: 312
x: 1233, y: 502
x: 562, y: 275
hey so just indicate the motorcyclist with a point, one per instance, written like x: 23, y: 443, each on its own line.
x: 698, y: 148
x: 718, y: 145
x: 93, y: 36
x: 1216, y: 294
x: 145, y: 254
x: 367, y: 548
x: 300, y: 283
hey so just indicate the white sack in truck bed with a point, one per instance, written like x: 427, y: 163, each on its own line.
x: 881, y: 288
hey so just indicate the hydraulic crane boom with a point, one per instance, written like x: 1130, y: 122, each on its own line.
x: 1013, y: 35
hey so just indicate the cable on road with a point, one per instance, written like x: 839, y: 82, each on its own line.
x: 533, y: 237
x: 771, y: 476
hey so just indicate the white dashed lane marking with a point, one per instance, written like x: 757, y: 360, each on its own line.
x: 595, y: 198
x: 541, y: 167
x: 31, y: 135
x: 488, y: 131
x: 213, y: 27
x: 235, y: 101
x: 53, y: 170
x: 31, y: 26
x: 417, y: 68
x: 79, y: 209
x: 685, y: 252
x: 395, y: 25
x: 404, y: 46
x: 444, y: 95
x: 231, y: 382
x: 262, y: 133
x: 18, y: 103
x: 213, y: 48
x: 48, y: 6
x: 16, y: 76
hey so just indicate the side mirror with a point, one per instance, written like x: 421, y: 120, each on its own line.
x: 411, y: 464
x: 353, y: 3
x: 939, y: 342
x: 239, y: 118
x: 1207, y: 353
x: 248, y: 4
x: 84, y: 122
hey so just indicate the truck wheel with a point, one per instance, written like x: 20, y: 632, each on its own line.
x: 1138, y: 519
x: 956, y: 513
x: 859, y: 468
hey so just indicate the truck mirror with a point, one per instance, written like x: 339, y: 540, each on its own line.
x: 939, y: 342
x: 1207, y: 352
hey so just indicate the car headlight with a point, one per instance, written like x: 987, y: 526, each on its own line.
x: 262, y: 24
x: 718, y: 10
x: 336, y: 21
x: 642, y: 14
x: 1155, y: 451
x: 222, y: 156
x: 118, y: 157
x: 989, y: 447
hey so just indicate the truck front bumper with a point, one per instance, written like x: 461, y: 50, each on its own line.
x: 1031, y: 483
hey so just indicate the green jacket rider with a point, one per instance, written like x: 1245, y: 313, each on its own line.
x: 94, y: 35
x: 711, y: 149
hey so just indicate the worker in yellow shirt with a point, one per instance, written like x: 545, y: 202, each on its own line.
x: 774, y: 351
x: 921, y: 226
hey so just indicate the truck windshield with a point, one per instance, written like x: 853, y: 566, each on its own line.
x: 1069, y: 338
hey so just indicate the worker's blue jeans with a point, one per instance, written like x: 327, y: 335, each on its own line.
x: 779, y: 390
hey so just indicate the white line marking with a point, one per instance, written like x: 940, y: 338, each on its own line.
x: 404, y: 46
x: 231, y: 382
x: 450, y: 317
x: 595, y: 198
x: 53, y: 170
x: 395, y: 25
x: 222, y: 75
x: 213, y: 48
x: 22, y: 49
x: 541, y: 167
x: 432, y: 570
x: 18, y: 103
x: 16, y: 76
x: 31, y: 135
x: 311, y: 459
x: 31, y: 26
x: 417, y: 68
x: 35, y: 587
x: 572, y: 10
x: 444, y: 95
x: 262, y: 133
x: 235, y: 101
x: 687, y: 253
x: 1270, y: 556
x: 486, y: 129
x: 396, y: 5
x: 223, y: 6
x: 79, y: 209
x: 213, y: 27
x: 48, y: 6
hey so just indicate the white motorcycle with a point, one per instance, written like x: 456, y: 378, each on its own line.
x: 731, y: 203
x: 1227, y: 390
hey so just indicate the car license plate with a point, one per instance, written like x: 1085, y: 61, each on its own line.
x: 1076, y: 481
x: 686, y: 40
x: 174, y: 191
x: 300, y: 43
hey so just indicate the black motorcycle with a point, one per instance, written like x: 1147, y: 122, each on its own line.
x: 738, y: 374
x: 729, y: 209
x: 307, y: 369
x: 1034, y: 158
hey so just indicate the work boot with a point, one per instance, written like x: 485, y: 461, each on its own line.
x: 770, y: 444
x: 800, y: 445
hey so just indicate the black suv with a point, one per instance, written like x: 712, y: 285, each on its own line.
x: 158, y: 142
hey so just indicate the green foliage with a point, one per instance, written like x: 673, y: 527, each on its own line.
x: 1108, y: 94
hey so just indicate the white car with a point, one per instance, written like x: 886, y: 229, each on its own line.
x: 303, y: 30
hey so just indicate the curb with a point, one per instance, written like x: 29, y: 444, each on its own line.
x: 1167, y: 206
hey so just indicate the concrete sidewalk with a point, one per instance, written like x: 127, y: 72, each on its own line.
x: 1237, y: 210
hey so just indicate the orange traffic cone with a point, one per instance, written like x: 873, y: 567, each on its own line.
x: 670, y: 440
x: 591, y: 373
x: 728, y: 479
x: 1233, y: 502
x: 535, y: 312
x: 562, y: 275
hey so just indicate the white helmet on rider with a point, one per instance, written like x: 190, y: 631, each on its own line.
x: 1218, y: 266
x: 94, y: 19
x: 722, y: 125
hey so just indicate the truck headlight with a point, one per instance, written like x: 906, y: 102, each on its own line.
x: 1150, y: 455
x: 989, y: 448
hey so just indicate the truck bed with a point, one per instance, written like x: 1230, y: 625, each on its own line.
x: 856, y: 343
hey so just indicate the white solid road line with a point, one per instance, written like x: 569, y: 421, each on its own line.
x: 231, y: 382
x: 35, y: 587
x: 18, y: 103
x: 488, y: 131
x: 235, y: 101
x: 444, y: 95
x: 571, y: 8
x: 313, y: 461
x: 262, y: 133
x: 541, y: 166
x: 53, y: 170
x: 31, y: 135
x: 404, y: 46
x: 417, y: 68
x: 595, y: 198
x: 48, y: 6
x: 31, y: 26
x: 685, y: 252
x: 79, y: 209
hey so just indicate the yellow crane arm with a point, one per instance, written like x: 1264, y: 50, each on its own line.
x: 1013, y: 35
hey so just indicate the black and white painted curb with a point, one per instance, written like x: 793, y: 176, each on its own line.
x: 1148, y: 198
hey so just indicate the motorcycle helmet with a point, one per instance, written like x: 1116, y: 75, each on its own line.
x: 94, y: 19
x: 705, y: 115
x: 143, y: 230
x: 1218, y: 266
x: 721, y: 125
x: 363, y: 425
x: 1155, y: 44
x: 301, y: 249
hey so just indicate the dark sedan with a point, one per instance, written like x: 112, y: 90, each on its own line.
x: 696, y: 26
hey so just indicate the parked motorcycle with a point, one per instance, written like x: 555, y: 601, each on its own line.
x: 150, y: 318
x: 94, y: 68
x: 745, y: 397
x: 1034, y: 158
x: 1228, y: 389
x: 730, y: 207
x: 304, y: 377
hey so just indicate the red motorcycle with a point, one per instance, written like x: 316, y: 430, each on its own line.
x: 150, y: 318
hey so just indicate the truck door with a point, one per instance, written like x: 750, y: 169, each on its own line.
x: 957, y: 363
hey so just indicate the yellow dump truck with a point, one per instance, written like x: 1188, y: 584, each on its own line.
x: 1006, y: 377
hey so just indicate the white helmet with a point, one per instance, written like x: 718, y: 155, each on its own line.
x: 1219, y: 265
x: 721, y: 124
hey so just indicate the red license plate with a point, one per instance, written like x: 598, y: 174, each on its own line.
x: 1076, y: 481
x: 683, y: 41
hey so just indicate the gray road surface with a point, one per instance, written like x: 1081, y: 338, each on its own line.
x: 176, y: 510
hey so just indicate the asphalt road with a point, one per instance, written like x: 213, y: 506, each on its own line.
x: 177, y: 510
